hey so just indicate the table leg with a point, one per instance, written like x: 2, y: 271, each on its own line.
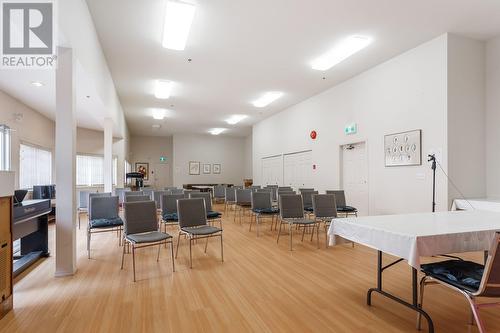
x: 414, y: 305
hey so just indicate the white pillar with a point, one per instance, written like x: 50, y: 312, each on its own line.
x: 108, y: 155
x: 65, y: 163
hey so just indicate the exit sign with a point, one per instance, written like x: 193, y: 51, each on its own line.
x: 351, y: 129
x: 163, y: 159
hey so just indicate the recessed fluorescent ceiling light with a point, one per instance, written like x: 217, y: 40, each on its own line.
x: 163, y: 89
x: 217, y: 131
x: 159, y: 114
x: 340, y: 52
x: 37, y: 83
x: 156, y: 126
x: 178, y: 19
x: 236, y: 119
x: 267, y: 99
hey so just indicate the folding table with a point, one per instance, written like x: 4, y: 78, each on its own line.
x: 411, y: 236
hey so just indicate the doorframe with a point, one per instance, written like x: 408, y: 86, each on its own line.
x: 341, y: 166
x: 288, y: 154
x: 282, y: 157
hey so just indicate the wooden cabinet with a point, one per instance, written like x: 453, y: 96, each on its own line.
x: 5, y: 255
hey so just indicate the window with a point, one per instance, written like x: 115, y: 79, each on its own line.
x: 35, y: 166
x: 4, y: 147
x: 128, y: 168
x: 90, y: 170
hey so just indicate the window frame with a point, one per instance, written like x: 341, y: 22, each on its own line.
x: 114, y: 175
x: 37, y: 147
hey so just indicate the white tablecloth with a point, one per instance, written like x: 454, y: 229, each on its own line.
x: 412, y: 236
x: 476, y: 204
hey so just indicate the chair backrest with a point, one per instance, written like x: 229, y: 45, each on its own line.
x: 132, y: 193
x: 490, y: 282
x: 140, y: 217
x: 291, y: 206
x: 307, y: 198
x: 261, y: 200
x: 238, y: 187
x: 103, y: 207
x: 120, y: 193
x: 169, y: 203
x: 149, y: 192
x: 96, y: 194
x: 188, y: 192
x: 219, y: 191
x: 302, y: 190
x: 206, y: 196
x: 157, y: 197
x: 266, y: 190
x: 272, y: 186
x: 83, y: 201
x: 324, y: 205
x: 230, y: 194
x: 284, y: 188
x: 170, y: 188
x: 339, y: 197
x: 243, y: 196
x: 254, y: 187
x: 191, y: 212
x: 177, y: 191
x: 137, y: 198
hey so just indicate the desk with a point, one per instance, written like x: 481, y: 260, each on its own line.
x: 411, y: 236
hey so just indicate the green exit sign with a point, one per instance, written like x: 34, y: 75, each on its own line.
x: 351, y: 129
x: 163, y: 159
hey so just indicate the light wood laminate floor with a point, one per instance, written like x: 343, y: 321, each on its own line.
x: 261, y: 287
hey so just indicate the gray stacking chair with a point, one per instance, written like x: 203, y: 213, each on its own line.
x: 94, y: 195
x: 471, y: 279
x: 131, y: 193
x: 149, y: 192
x: 103, y: 217
x: 169, y: 209
x: 170, y: 188
x: 292, y: 212
x: 83, y: 204
x: 219, y: 193
x: 262, y: 207
x: 212, y: 216
x: 137, y: 198
x: 141, y: 230
x: 177, y: 191
x: 230, y: 198
x: 271, y: 186
x: 193, y: 224
x: 188, y: 192
x: 307, y: 200
x: 342, y: 208
x: 243, y: 201
x: 305, y: 189
x: 157, y: 197
x: 238, y: 187
x: 325, y: 210
x: 255, y: 187
x: 120, y: 193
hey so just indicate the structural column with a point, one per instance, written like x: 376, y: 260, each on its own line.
x: 108, y: 155
x: 65, y: 163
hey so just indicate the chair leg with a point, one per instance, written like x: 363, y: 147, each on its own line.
x: 326, y: 236
x: 172, y: 254
x: 291, y: 236
x: 190, y: 254
x: 206, y: 245
x: 88, y: 242
x: 257, y: 221
x: 221, y: 248
x: 177, y: 248
x: 279, y: 232
x: 475, y: 311
x: 79, y: 215
x: 123, y: 255
x: 303, y: 232
x: 158, y: 255
x: 317, y: 235
x: 251, y: 222
x: 133, y: 259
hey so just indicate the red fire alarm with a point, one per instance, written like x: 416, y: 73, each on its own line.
x: 314, y: 135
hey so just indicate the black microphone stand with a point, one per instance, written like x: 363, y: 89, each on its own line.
x: 432, y: 158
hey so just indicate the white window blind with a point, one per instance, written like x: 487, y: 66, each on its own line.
x: 35, y: 166
x: 128, y: 168
x: 4, y: 147
x: 90, y: 170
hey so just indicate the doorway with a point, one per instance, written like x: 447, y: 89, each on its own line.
x: 161, y: 177
x: 354, y: 176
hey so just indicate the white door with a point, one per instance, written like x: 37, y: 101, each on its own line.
x: 297, y: 169
x: 272, y: 170
x: 355, y: 176
x: 161, y: 176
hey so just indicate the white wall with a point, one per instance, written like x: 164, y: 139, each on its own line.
x: 405, y: 93
x: 149, y: 149
x: 493, y: 118
x: 248, y: 171
x: 466, y: 118
x: 227, y: 151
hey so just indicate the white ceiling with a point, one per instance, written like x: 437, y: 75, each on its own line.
x: 241, y: 48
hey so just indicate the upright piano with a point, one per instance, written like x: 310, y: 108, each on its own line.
x: 30, y: 226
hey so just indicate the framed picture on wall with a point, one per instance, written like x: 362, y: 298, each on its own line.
x: 142, y: 167
x: 403, y: 149
x: 194, y: 168
x: 206, y: 168
x: 216, y: 169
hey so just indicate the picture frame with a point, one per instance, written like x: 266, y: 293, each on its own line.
x: 142, y: 167
x: 194, y: 168
x: 207, y: 168
x: 403, y: 149
x: 216, y: 169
